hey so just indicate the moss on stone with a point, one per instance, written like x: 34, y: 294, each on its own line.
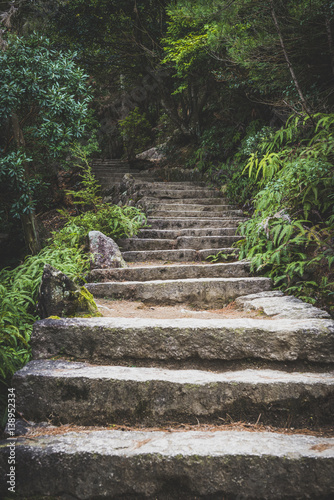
x: 85, y: 306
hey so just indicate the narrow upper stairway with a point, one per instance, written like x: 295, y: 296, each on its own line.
x: 200, y: 223
x: 229, y: 407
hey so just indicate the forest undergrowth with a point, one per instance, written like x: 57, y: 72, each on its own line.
x: 66, y: 250
x: 284, y: 181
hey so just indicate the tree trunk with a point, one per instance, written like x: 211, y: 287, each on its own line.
x: 291, y: 69
x: 330, y: 42
x: 30, y: 232
x: 28, y: 221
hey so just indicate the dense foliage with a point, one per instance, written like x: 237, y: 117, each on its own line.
x: 43, y: 110
x: 66, y: 251
x: 290, y: 235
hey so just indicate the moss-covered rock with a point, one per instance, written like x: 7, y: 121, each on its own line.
x: 59, y: 296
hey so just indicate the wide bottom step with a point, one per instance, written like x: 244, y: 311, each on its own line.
x: 172, y: 465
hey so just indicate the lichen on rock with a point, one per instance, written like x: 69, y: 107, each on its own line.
x: 104, y: 252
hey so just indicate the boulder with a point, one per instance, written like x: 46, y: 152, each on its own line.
x: 59, y: 296
x: 280, y: 306
x: 105, y: 253
x: 153, y: 154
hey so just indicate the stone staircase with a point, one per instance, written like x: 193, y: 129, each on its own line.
x: 180, y: 408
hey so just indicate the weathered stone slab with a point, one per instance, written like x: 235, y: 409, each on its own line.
x: 170, y: 234
x: 83, y: 394
x: 195, y: 207
x: 189, y: 192
x: 186, y: 255
x: 104, y: 251
x: 188, y: 242
x: 186, y: 271
x: 278, y: 305
x: 190, y: 213
x: 134, y: 244
x: 191, y: 222
x: 60, y: 296
x: 186, y: 201
x: 178, y: 255
x: 206, y: 242
x: 213, y: 292
x: 107, y: 339
x: 188, y: 465
x: 171, y: 185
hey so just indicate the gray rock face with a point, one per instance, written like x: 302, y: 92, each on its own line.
x: 280, y: 306
x: 105, y: 253
x: 152, y: 154
x: 60, y: 296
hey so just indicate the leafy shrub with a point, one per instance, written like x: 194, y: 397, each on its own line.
x: 88, y: 197
x: 290, y: 236
x: 111, y: 220
x: 18, y: 292
x: 241, y: 188
x: 44, y: 108
x: 65, y: 251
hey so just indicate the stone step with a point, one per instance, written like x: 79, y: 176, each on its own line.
x: 140, y: 174
x: 193, y: 222
x: 108, y: 161
x: 171, y: 234
x: 171, y: 272
x: 191, y: 242
x: 180, y: 207
x: 64, y: 392
x: 110, y: 180
x: 185, y: 201
x: 111, y: 340
x: 114, y: 170
x: 205, y: 242
x: 188, y: 213
x: 178, y: 193
x: 133, y: 244
x: 178, y: 186
x: 165, y: 465
x: 180, y: 255
x: 200, y: 292
x: 149, y: 180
